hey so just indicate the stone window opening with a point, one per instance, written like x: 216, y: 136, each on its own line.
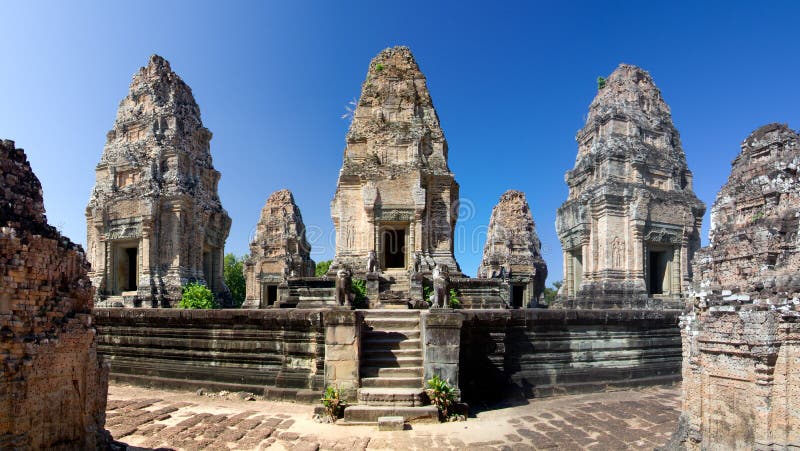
x: 393, y: 247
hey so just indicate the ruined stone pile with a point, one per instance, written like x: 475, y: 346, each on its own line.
x: 513, y: 247
x: 53, y: 384
x: 279, y: 250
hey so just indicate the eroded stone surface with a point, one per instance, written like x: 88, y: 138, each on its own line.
x: 154, y: 219
x: 631, y: 223
x: 280, y: 250
x: 513, y: 248
x: 395, y: 194
x: 53, y: 385
x: 741, y: 338
x: 754, y: 221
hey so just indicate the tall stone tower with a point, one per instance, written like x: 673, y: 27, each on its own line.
x: 631, y: 222
x: 513, y: 248
x: 280, y: 250
x: 154, y: 219
x: 395, y: 195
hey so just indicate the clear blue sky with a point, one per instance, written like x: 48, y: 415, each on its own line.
x: 511, y: 83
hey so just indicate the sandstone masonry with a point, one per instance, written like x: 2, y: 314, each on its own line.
x: 396, y: 195
x: 631, y: 223
x: 513, y: 249
x: 53, y: 385
x: 279, y: 251
x: 154, y: 220
x: 741, y: 338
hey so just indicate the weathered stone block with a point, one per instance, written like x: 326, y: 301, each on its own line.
x: 391, y: 423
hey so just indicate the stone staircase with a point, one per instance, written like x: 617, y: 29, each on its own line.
x: 394, y: 294
x: 391, y: 369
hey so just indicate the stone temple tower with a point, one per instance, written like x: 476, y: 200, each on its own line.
x: 631, y: 223
x: 279, y: 250
x: 513, y: 249
x: 395, y: 195
x: 154, y: 220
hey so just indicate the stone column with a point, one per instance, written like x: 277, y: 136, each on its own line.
x: 342, y: 350
x: 441, y: 332
x: 373, y: 289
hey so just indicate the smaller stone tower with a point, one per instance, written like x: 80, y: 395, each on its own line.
x: 513, y: 250
x: 279, y: 251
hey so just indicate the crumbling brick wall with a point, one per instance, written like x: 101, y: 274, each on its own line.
x: 53, y: 385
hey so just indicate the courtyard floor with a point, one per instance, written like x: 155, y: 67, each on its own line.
x: 149, y: 419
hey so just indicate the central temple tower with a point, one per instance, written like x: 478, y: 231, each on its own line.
x: 395, y: 195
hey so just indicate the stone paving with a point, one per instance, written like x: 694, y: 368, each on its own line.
x: 159, y: 419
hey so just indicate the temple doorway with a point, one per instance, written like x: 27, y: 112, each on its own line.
x: 394, y: 248
x: 659, y: 265
x: 517, y: 295
x: 125, y: 276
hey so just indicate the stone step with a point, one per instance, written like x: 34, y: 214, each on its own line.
x: 391, y: 382
x: 380, y: 371
x: 391, y: 314
x: 378, y: 342
x: 369, y: 354
x: 386, y: 336
x: 370, y: 414
x: 408, y: 397
x: 392, y: 324
x: 393, y: 362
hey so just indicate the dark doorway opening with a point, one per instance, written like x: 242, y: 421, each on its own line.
x: 658, y: 271
x: 132, y: 254
x: 517, y: 295
x: 394, y: 248
x: 272, y: 294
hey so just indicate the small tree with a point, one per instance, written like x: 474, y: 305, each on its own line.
x: 551, y: 293
x: 441, y: 395
x: 601, y: 83
x: 322, y: 268
x: 233, y: 270
x: 454, y: 302
x: 197, y: 296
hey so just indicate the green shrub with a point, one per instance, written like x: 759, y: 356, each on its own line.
x: 360, y: 291
x: 322, y: 268
x: 601, y: 83
x: 333, y: 403
x: 454, y: 302
x: 197, y: 296
x: 379, y: 67
x: 441, y: 395
x: 427, y: 292
x: 233, y: 271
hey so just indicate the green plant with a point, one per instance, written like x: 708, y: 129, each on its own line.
x: 601, y: 83
x: 333, y: 403
x: 551, y: 293
x: 441, y: 394
x: 454, y: 302
x: 359, y: 287
x: 427, y: 292
x: 379, y: 67
x: 197, y: 296
x: 757, y: 216
x: 233, y: 271
x: 322, y: 268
